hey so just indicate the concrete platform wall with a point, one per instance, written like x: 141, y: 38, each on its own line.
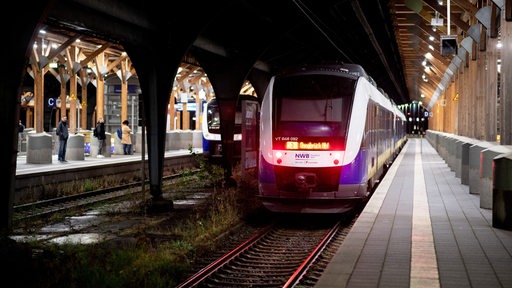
x: 472, y: 161
x: 43, y: 145
x: 487, y: 168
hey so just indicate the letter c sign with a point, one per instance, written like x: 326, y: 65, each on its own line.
x: 51, y: 102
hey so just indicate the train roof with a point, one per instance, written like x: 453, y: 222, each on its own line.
x: 355, y: 70
x: 352, y: 69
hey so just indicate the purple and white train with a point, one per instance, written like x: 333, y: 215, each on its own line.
x: 327, y: 135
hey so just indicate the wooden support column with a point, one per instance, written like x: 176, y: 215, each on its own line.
x: 199, y: 112
x: 73, y: 68
x: 450, y: 109
x: 73, y: 119
x: 101, y: 70
x: 441, y: 113
x: 63, y: 94
x: 436, y: 114
x: 491, y: 79
x: 481, y: 94
x: 506, y: 79
x: 73, y: 123
x: 124, y: 92
x: 124, y: 101
x: 84, y: 79
x: 195, y: 83
x: 464, y: 100
x: 454, y: 94
x: 185, y: 117
x: 100, y: 99
x: 184, y: 120
x: 475, y: 99
x: 172, y: 109
x: 38, y: 71
x: 457, y: 122
x: 30, y: 117
x: 38, y: 75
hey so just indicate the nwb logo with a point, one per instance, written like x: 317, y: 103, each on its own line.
x: 301, y: 156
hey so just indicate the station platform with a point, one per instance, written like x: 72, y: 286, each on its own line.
x: 23, y: 168
x: 422, y: 228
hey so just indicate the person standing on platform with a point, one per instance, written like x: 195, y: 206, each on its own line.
x: 21, y: 127
x: 63, y: 134
x: 99, y: 132
x: 127, y: 138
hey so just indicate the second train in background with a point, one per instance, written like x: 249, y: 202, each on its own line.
x: 211, y: 128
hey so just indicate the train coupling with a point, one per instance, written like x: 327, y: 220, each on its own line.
x: 305, y: 182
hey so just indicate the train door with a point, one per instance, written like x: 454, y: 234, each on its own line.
x: 250, y: 134
x: 371, y: 145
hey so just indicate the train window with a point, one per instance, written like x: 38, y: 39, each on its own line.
x: 320, y: 98
x: 213, y: 119
x: 319, y: 110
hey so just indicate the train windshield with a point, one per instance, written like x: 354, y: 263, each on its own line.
x: 312, y: 107
x: 213, y: 117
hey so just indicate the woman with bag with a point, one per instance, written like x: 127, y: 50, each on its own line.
x: 127, y: 138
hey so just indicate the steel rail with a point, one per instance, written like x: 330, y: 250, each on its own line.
x: 210, y: 269
x: 297, y: 275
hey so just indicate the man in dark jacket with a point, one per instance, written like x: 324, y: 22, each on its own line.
x: 100, y: 134
x: 21, y: 127
x: 62, y: 132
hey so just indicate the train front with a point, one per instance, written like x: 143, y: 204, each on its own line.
x: 303, y: 140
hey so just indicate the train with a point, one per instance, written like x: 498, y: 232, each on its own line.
x: 210, y: 128
x: 327, y: 133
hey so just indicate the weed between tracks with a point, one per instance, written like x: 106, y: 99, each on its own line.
x: 160, y: 255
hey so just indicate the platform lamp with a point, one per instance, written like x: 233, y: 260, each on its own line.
x: 448, y: 42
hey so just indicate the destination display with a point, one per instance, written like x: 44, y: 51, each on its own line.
x: 306, y: 143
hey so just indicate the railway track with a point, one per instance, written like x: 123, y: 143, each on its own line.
x: 276, y: 256
x: 45, y: 208
x: 39, y: 183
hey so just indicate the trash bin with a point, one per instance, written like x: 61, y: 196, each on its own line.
x: 502, y: 192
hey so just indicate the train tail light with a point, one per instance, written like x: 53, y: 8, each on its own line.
x: 337, y: 157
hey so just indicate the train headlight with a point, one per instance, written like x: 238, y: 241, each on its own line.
x: 279, y: 156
